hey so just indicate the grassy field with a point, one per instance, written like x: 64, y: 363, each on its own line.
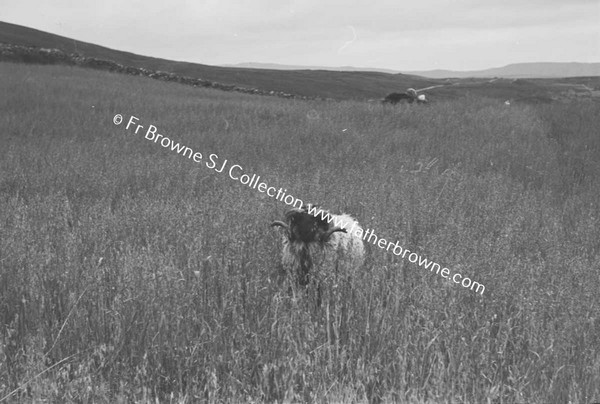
x: 129, y: 273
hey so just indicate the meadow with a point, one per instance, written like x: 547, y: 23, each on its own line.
x: 129, y: 273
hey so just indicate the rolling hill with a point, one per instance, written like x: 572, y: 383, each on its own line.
x: 521, y: 70
x: 278, y: 66
x: 337, y: 85
x: 511, y: 71
x: 357, y: 85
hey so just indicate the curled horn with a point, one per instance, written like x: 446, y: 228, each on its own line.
x: 280, y: 223
x: 329, y: 232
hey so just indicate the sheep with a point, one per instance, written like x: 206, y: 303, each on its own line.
x: 411, y: 95
x: 319, y: 240
x: 395, y: 98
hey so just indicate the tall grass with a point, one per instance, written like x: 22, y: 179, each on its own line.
x: 129, y: 273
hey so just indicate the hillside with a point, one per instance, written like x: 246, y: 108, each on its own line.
x: 339, y: 85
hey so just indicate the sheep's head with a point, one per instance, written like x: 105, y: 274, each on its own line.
x: 303, y: 227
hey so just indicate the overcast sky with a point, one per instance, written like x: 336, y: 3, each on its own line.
x: 394, y: 34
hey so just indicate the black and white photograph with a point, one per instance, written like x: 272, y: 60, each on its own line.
x: 300, y: 201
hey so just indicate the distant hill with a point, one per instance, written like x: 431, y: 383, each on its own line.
x: 521, y: 70
x: 512, y: 71
x: 277, y: 66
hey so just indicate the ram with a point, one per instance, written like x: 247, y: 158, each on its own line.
x: 315, y: 239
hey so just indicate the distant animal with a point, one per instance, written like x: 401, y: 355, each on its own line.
x: 409, y: 96
x: 311, y: 242
x: 395, y: 98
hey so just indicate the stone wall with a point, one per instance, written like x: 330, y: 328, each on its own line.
x: 30, y: 54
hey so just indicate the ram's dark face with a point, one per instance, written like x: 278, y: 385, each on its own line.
x: 305, y: 227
